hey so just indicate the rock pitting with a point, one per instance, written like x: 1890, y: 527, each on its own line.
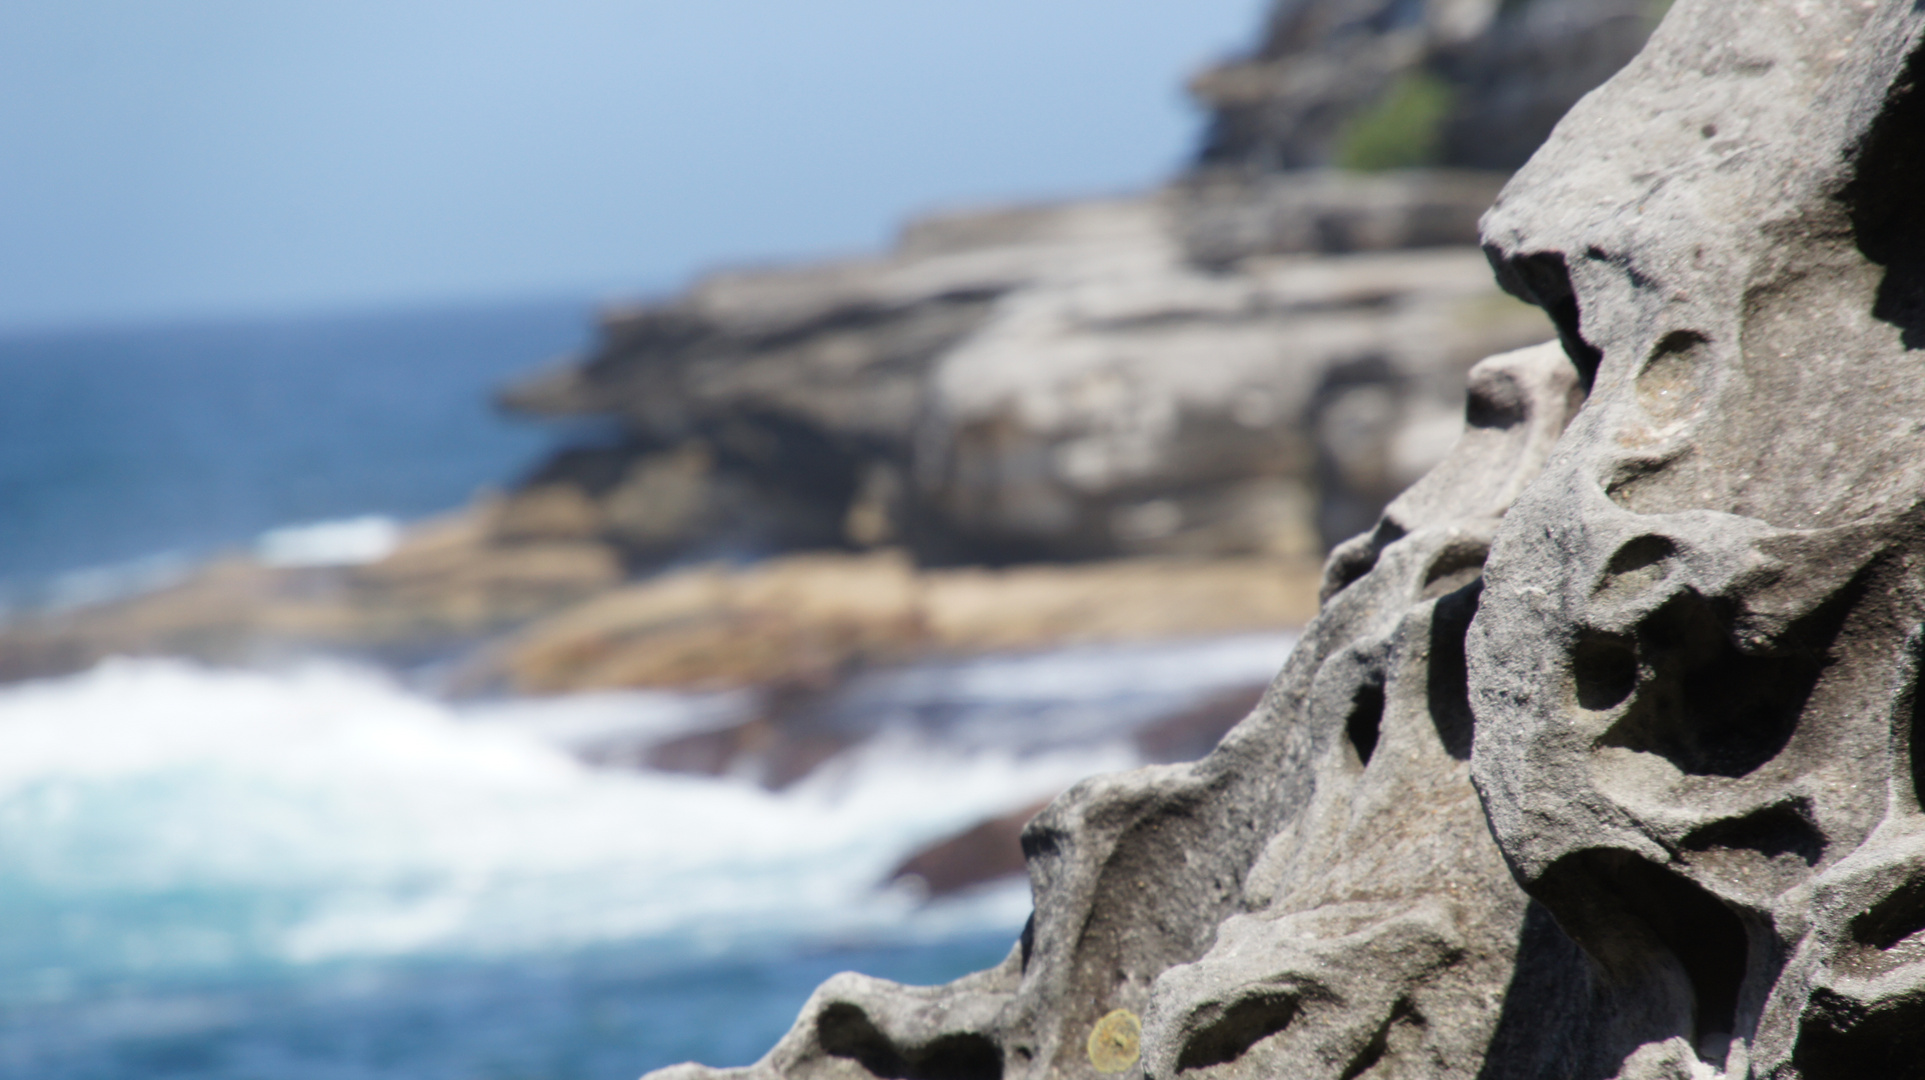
x: 1661, y: 604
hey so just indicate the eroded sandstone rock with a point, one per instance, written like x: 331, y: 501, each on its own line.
x: 1677, y: 645
x: 1318, y: 897
x: 1696, y: 661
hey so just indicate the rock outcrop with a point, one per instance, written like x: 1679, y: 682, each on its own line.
x: 1601, y: 759
x: 1055, y: 382
x: 1695, y: 669
x: 1379, y: 83
x: 1318, y: 894
x: 1252, y: 360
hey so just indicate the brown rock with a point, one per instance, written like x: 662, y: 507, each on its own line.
x: 1194, y: 732
x: 804, y: 620
x: 987, y: 851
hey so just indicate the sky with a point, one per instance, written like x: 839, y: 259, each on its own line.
x: 166, y: 159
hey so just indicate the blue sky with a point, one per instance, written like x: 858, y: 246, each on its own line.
x: 188, y: 158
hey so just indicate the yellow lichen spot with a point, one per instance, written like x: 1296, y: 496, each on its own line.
x: 1115, y: 1041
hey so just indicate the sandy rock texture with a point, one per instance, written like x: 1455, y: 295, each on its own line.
x: 559, y: 617
x: 805, y: 619
x: 1602, y: 756
x: 1318, y: 897
x: 1695, y: 668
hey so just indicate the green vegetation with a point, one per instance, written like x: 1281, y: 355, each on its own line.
x: 1403, y: 129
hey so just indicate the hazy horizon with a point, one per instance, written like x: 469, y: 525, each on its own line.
x: 222, y: 160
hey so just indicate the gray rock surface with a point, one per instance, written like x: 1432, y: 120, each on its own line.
x: 1695, y: 667
x: 1661, y: 604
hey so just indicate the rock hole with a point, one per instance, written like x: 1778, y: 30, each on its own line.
x: 1887, y: 215
x: 1457, y: 565
x: 1914, y: 742
x: 1544, y: 279
x: 1352, y: 559
x: 1893, y: 919
x: 1640, y: 554
x: 1632, y: 483
x: 1781, y: 829
x: 1497, y: 403
x: 1242, y: 1025
x: 1843, y: 1038
x: 1370, y: 1055
x: 1604, y: 671
x: 1447, y: 678
x: 1668, y: 386
x: 1636, y: 566
x: 1713, y: 709
x: 845, y: 1031
x: 1374, y: 1051
x: 1366, y: 721
x: 1636, y: 914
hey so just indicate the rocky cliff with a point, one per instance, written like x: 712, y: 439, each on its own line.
x: 1252, y: 360
x: 1601, y: 758
x: 1052, y: 382
x: 1243, y: 365
x: 1472, y: 84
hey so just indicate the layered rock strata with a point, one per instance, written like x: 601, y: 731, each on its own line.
x: 1057, y: 382
x: 1601, y: 759
x: 1318, y: 896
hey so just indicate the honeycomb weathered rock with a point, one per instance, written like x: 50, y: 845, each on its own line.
x: 1675, y: 636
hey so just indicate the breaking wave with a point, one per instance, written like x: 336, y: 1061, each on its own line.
x: 163, y: 821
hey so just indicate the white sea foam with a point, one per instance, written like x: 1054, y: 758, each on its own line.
x: 346, y: 542
x: 158, y: 815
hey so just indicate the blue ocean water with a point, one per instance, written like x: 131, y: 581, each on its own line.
x: 171, y: 442
x: 322, y: 872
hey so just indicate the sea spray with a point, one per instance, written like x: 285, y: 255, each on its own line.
x: 157, y: 818
x: 211, y: 866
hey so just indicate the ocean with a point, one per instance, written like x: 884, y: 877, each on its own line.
x: 323, y: 871
x: 129, y: 453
